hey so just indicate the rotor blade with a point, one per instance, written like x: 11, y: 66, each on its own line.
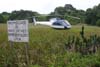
x: 74, y: 17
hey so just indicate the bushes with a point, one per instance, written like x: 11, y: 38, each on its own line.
x: 2, y: 20
x: 98, y: 23
x: 82, y: 44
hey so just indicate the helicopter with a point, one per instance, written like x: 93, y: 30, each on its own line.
x: 56, y: 22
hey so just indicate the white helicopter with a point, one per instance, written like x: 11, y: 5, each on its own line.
x: 57, y: 23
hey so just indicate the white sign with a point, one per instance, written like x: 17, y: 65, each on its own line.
x: 18, y: 31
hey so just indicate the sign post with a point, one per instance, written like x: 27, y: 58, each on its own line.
x: 18, y: 32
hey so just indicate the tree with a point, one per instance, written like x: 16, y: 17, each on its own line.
x: 88, y: 16
x: 69, y: 7
x: 2, y: 20
x: 93, y: 15
x: 22, y: 14
x: 98, y: 22
x: 5, y: 15
x: 59, y: 11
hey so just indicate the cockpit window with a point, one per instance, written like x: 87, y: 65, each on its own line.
x: 55, y: 23
x: 66, y: 23
x: 61, y: 23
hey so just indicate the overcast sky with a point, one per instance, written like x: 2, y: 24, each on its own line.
x: 44, y: 6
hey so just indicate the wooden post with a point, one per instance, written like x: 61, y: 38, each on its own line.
x: 11, y: 50
x: 27, y: 54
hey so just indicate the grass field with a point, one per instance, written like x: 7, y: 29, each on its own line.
x: 46, y: 47
x: 45, y: 33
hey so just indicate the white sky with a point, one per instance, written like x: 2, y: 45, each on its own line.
x: 44, y: 6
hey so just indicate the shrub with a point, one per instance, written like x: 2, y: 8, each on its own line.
x: 2, y: 20
x: 98, y: 22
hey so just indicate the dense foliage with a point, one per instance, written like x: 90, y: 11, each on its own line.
x: 18, y: 15
x: 98, y: 22
x: 22, y: 14
x: 91, y: 16
x: 2, y: 20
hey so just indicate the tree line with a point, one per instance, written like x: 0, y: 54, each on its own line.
x: 15, y: 15
x: 90, y: 16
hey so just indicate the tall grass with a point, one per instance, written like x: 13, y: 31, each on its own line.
x: 52, y: 48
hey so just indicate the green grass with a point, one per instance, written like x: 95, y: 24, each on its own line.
x: 47, y: 47
x: 44, y: 33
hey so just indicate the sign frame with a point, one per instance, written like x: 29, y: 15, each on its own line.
x: 18, y: 31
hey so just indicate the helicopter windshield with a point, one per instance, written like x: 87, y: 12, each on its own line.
x: 66, y: 23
